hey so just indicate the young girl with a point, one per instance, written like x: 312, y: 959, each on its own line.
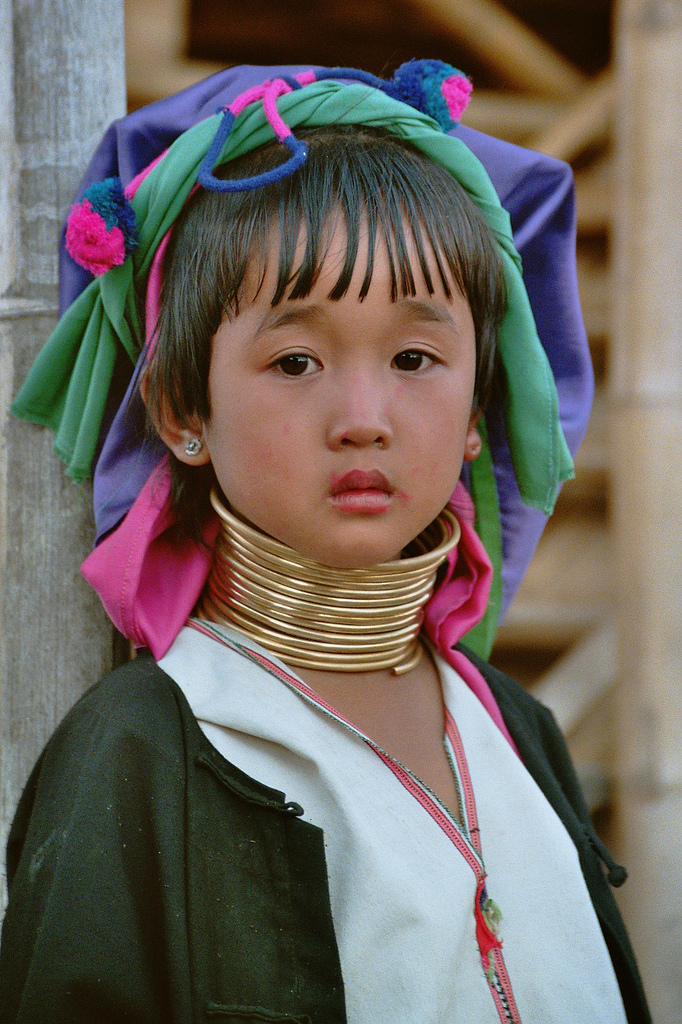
x: 309, y: 803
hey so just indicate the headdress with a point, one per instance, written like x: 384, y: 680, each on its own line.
x: 162, y: 152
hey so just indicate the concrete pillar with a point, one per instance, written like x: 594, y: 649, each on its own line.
x: 646, y: 392
x: 62, y: 80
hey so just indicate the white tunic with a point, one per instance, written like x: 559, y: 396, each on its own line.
x: 403, y: 874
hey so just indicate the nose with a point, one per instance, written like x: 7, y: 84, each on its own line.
x: 359, y: 415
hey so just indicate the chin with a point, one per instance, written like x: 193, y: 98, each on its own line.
x: 363, y: 557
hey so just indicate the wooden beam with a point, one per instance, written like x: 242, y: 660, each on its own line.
x: 546, y: 625
x: 154, y: 45
x: 581, y: 678
x: 508, y: 46
x: 512, y: 116
x: 594, y: 197
x: 595, y: 294
x: 586, y: 122
x: 566, y: 590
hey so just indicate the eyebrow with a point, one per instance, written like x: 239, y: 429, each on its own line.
x: 427, y: 312
x: 296, y: 316
x: 414, y: 310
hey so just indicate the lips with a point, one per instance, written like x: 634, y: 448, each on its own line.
x: 366, y: 493
x: 360, y: 480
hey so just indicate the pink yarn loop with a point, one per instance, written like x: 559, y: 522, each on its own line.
x: 268, y: 92
x: 277, y: 88
x: 251, y: 95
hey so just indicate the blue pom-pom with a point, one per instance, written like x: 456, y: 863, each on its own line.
x: 419, y: 83
x: 108, y: 199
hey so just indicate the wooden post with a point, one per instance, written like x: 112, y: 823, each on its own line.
x: 62, y: 81
x: 646, y: 390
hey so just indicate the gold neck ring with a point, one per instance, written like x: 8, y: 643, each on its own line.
x: 316, y: 616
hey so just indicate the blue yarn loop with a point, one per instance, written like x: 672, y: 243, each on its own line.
x: 291, y: 81
x: 417, y: 83
x: 206, y: 177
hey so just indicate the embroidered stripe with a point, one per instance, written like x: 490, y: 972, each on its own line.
x: 503, y: 989
x: 452, y: 733
x: 426, y: 800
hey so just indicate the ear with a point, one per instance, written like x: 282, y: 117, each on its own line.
x: 472, y: 442
x: 186, y: 441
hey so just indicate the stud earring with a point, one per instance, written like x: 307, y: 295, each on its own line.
x: 193, y: 446
x: 474, y: 446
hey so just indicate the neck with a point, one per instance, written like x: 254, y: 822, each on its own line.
x: 315, y: 616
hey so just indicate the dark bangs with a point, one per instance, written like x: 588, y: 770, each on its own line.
x: 364, y: 180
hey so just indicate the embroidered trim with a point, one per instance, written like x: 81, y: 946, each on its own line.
x: 486, y: 912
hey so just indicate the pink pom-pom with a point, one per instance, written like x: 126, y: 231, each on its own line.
x: 456, y: 93
x: 91, y: 244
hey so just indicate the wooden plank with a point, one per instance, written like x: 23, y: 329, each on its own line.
x: 154, y: 42
x: 512, y: 116
x: 588, y: 494
x: 567, y: 589
x: 593, y: 454
x: 594, y: 184
x: 571, y: 565
x: 585, y: 123
x: 502, y: 41
x: 536, y: 625
x: 594, y: 286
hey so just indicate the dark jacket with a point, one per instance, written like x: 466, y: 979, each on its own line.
x: 152, y: 881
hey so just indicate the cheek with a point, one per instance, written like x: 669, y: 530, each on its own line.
x: 439, y: 448
x: 249, y: 449
x: 436, y: 475
x: 261, y: 455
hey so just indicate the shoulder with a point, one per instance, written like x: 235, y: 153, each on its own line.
x: 525, y: 717
x: 137, y: 698
x: 125, y: 741
x: 134, y: 724
x: 539, y: 741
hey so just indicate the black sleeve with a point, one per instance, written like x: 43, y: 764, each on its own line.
x: 95, y: 928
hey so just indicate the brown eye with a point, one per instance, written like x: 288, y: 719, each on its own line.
x: 410, y: 360
x: 296, y: 365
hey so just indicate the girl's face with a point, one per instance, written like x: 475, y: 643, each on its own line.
x: 340, y: 427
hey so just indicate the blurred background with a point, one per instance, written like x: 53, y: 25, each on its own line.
x: 595, y: 629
